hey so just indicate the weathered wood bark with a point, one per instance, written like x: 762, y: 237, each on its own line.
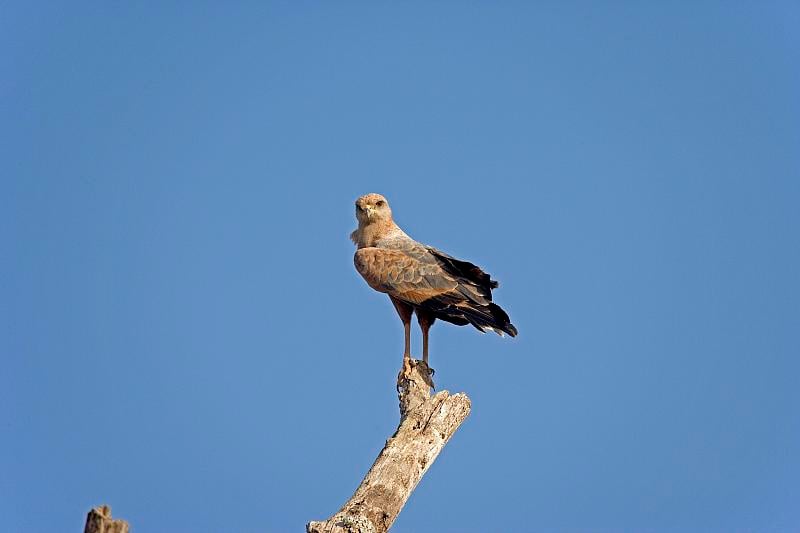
x: 99, y: 521
x: 426, y: 424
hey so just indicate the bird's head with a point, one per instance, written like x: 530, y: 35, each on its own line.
x: 371, y: 208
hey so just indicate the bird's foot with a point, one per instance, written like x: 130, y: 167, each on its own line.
x: 405, y: 372
x: 427, y: 373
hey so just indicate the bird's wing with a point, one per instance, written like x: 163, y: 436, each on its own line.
x: 409, y: 274
x: 451, y: 289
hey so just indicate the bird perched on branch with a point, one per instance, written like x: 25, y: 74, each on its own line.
x: 421, y: 279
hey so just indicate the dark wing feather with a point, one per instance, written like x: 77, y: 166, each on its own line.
x: 475, y: 287
x: 466, y: 270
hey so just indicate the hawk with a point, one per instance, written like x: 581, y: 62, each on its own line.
x: 421, y: 279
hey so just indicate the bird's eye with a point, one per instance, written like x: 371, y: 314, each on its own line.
x: 380, y: 203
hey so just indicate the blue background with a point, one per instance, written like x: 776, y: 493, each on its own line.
x: 182, y: 332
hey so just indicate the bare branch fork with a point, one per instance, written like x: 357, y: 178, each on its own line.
x: 99, y: 521
x: 426, y: 424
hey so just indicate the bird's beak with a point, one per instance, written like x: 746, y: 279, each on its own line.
x: 369, y: 209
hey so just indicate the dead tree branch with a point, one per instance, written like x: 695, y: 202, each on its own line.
x: 426, y: 424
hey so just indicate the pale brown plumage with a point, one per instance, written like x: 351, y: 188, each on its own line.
x: 420, y: 278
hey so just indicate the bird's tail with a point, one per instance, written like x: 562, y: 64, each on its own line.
x: 489, y: 317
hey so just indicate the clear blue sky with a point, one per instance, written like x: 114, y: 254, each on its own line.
x: 184, y: 337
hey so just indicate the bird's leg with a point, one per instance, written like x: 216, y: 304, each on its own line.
x: 405, y: 311
x: 425, y: 344
x: 407, y: 349
x: 425, y: 322
x: 405, y: 370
